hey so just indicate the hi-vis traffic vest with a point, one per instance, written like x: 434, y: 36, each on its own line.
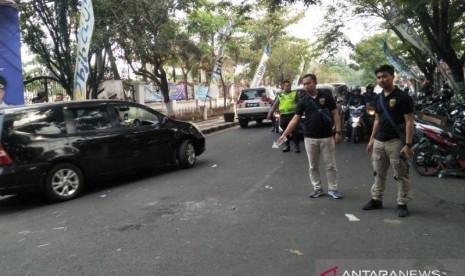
x: 287, y: 103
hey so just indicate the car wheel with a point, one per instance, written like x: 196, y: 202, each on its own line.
x: 243, y: 123
x: 259, y: 121
x: 186, y: 155
x: 63, y: 182
x: 136, y: 122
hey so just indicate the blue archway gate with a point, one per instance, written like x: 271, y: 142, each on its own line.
x: 10, y: 53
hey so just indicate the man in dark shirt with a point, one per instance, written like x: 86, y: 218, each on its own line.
x: 320, y: 114
x: 389, y: 144
x: 370, y: 95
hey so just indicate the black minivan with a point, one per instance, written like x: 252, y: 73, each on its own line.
x: 54, y: 147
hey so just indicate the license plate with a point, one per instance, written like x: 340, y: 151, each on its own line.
x: 251, y: 104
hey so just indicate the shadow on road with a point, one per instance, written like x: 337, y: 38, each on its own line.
x: 23, y: 202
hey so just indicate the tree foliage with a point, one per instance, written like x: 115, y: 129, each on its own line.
x: 48, y: 29
x: 438, y: 22
x: 148, y: 35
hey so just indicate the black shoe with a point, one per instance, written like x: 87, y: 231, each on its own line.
x: 287, y: 148
x: 372, y: 205
x: 297, y: 149
x: 402, y: 211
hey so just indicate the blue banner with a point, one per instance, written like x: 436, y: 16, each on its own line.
x: 152, y: 94
x: 202, y: 92
x: 11, y: 74
x: 176, y: 91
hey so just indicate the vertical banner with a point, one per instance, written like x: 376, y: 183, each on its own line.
x: 261, y: 67
x: 301, y: 69
x: 399, y: 63
x: 213, y: 89
x: 11, y: 73
x: 86, y: 27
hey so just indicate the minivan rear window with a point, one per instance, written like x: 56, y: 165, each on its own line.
x: 48, y: 121
x: 252, y: 94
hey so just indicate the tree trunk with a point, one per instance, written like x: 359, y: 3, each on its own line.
x: 184, y: 74
x: 113, y: 66
x: 164, y: 87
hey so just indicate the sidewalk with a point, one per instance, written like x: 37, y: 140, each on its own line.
x: 215, y: 124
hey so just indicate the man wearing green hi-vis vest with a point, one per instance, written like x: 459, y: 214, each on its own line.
x: 286, y: 103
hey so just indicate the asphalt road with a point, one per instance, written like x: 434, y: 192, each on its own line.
x: 243, y: 210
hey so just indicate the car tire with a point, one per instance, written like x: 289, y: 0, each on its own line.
x: 259, y: 121
x: 186, y: 155
x: 64, y: 181
x: 243, y: 123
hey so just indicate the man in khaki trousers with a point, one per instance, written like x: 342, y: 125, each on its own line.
x: 387, y: 143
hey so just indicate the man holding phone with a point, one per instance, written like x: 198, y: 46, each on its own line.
x: 389, y: 143
x: 321, y: 115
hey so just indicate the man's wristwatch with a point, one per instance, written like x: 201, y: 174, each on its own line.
x: 410, y: 145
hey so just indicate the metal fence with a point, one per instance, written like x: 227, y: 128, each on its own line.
x: 35, y: 85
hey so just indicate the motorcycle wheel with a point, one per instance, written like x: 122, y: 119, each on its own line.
x: 355, y: 135
x: 424, y: 164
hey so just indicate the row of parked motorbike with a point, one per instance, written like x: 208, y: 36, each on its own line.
x: 438, y: 150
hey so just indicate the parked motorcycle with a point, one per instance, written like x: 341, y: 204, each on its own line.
x: 438, y: 152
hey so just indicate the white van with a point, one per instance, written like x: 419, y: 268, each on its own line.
x: 254, y: 104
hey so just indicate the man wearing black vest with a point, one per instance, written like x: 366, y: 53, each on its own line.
x: 391, y: 141
x: 321, y: 115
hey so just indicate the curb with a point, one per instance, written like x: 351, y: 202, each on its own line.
x: 219, y: 127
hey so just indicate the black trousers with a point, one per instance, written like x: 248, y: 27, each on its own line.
x: 284, y: 120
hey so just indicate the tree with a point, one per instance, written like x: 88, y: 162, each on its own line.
x: 189, y: 55
x: 47, y: 29
x: 101, y: 51
x: 439, y: 24
x: 270, y: 28
x: 285, y: 59
x: 149, y: 36
x: 277, y: 4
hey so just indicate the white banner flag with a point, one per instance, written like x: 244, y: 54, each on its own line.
x: 261, y: 67
x: 213, y: 89
x: 86, y: 27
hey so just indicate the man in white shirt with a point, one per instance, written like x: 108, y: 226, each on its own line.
x: 2, y: 91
